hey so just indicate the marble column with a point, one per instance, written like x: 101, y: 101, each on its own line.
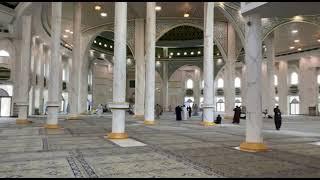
x: 41, y: 77
x: 24, y: 70
x: 270, y: 73
x: 55, y: 64
x: 150, y: 64
x: 140, y: 69
x: 34, y: 61
x: 283, y: 86
x: 165, y: 86
x: 196, y: 87
x: 208, y: 74
x: 83, y: 97
x: 75, y: 64
x: 253, y: 57
x: 230, y: 72
x: 244, y: 85
x: 118, y: 106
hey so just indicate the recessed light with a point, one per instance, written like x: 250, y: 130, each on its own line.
x: 297, y: 18
x: 100, y: 43
x: 185, y: 53
x: 171, y: 53
x: 95, y: 41
x: 192, y: 53
x: 292, y: 47
x: 158, y: 8
x: 178, y: 54
x: 299, y: 49
x: 318, y: 40
x: 169, y: 57
x: 199, y: 52
x: 103, y: 14
x: 65, y: 36
x: 294, y: 31
x: 67, y: 30
x: 218, y: 54
x: 98, y: 8
x: 264, y: 46
x: 71, y: 32
x: 296, y: 41
x: 105, y: 45
x: 110, y: 46
x: 186, y: 15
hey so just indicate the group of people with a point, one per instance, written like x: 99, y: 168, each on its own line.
x: 187, y: 112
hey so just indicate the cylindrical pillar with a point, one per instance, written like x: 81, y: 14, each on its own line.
x: 208, y: 75
x: 74, y: 90
x: 253, y: 57
x: 119, y: 105
x: 165, y: 87
x: 283, y: 86
x: 196, y: 86
x: 270, y: 73
x: 140, y: 69
x: 150, y: 63
x: 41, y: 77
x: 24, y: 70
x: 55, y: 68
x: 230, y: 71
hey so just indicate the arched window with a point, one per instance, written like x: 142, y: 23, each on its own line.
x: 4, y: 53
x: 237, y: 101
x: 220, y: 104
x: 189, y: 84
x: 237, y: 82
x: 318, y: 78
x: 294, y: 78
x: 220, y: 83
x: 275, y: 80
x: 294, y: 104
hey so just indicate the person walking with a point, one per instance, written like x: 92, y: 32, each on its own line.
x: 189, y: 111
x: 158, y: 111
x: 178, y: 113
x: 236, y: 116
x: 277, y: 117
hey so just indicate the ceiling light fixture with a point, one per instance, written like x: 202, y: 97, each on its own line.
x: 299, y: 49
x: 178, y: 54
x: 67, y: 30
x: 296, y: 41
x: 292, y: 47
x: 158, y: 8
x: 103, y: 14
x: 297, y: 18
x: 100, y: 43
x: 185, y: 53
x: 171, y: 53
x: 192, y: 53
x: 105, y: 45
x: 318, y: 40
x: 199, y: 52
x: 294, y: 31
x: 65, y: 36
x: 186, y: 15
x: 98, y: 8
x: 110, y: 46
x: 71, y: 32
x: 95, y: 41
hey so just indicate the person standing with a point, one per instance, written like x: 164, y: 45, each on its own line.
x: 190, y: 111
x: 178, y: 113
x: 277, y: 117
x: 236, y: 116
x: 158, y: 111
x: 185, y: 112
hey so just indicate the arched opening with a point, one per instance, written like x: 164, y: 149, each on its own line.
x: 294, y: 78
x: 5, y: 100
x: 294, y: 105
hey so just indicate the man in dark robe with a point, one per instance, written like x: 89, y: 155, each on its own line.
x: 178, y: 113
x: 236, y: 116
x: 277, y: 117
x: 190, y: 111
x: 218, y: 120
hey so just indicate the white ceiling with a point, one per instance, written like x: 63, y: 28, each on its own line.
x: 307, y: 34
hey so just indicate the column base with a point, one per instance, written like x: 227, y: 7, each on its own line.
x: 23, y: 121
x: 117, y: 136
x: 74, y: 117
x: 52, y: 126
x: 148, y: 122
x: 85, y: 113
x: 207, y: 123
x: 253, y: 147
x: 228, y: 117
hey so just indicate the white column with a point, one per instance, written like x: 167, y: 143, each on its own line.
x: 150, y: 63
x: 41, y: 77
x: 244, y: 85
x: 230, y: 71
x: 253, y: 57
x: 34, y: 62
x: 196, y: 87
x: 119, y: 74
x: 140, y: 68
x: 75, y: 64
x: 208, y: 74
x: 24, y: 70
x: 55, y: 67
x: 283, y: 86
x: 270, y: 72
x: 165, y: 86
x: 83, y: 97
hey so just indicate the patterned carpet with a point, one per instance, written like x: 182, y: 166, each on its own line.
x: 167, y: 149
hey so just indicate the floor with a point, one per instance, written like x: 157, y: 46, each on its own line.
x: 167, y: 149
